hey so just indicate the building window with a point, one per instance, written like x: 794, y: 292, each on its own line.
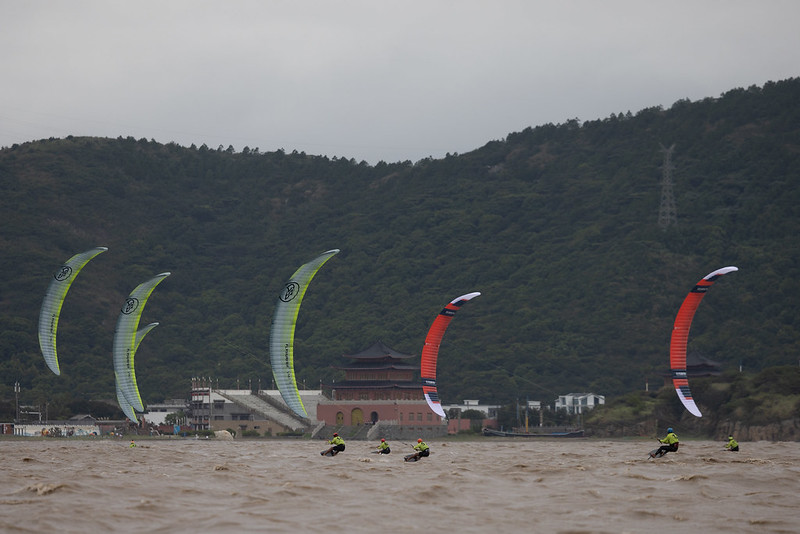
x: 430, y: 417
x: 411, y: 416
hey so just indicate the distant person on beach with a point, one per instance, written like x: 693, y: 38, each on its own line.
x: 337, y: 446
x: 670, y: 442
x: 383, y: 448
x: 732, y: 445
x: 422, y: 451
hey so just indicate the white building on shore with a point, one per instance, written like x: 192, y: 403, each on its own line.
x: 489, y: 410
x: 576, y: 403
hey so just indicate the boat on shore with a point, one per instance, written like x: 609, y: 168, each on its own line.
x: 503, y: 434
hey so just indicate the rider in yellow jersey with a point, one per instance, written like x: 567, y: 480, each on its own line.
x: 337, y: 446
x: 671, y: 444
x: 422, y: 451
x: 383, y: 448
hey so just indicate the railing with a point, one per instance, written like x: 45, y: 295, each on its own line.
x: 267, y: 410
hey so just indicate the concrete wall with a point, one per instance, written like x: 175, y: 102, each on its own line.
x: 67, y: 430
x: 263, y: 427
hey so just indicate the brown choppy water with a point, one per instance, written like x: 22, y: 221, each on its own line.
x: 566, y: 486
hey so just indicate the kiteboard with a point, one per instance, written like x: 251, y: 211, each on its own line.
x: 656, y: 453
x: 411, y: 458
x: 329, y: 453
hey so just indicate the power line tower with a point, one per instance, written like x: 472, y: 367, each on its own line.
x: 666, y: 212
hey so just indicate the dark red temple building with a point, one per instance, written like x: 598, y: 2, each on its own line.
x: 696, y: 366
x: 381, y: 384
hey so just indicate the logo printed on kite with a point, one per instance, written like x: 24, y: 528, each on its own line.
x: 289, y: 292
x: 130, y: 305
x: 63, y: 273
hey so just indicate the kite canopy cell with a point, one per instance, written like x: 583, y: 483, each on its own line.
x: 126, y: 342
x: 680, y: 337
x: 121, y: 400
x: 54, y: 299
x: 430, y: 352
x: 281, y: 337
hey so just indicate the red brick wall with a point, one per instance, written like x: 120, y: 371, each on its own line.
x: 405, y: 414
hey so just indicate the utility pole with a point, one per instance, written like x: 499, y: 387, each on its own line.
x: 16, y: 398
x: 666, y: 212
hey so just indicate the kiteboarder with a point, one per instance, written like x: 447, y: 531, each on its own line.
x: 133, y: 444
x: 383, y: 448
x: 422, y: 451
x: 670, y: 444
x: 732, y: 445
x: 337, y: 446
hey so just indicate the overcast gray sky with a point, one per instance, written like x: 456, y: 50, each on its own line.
x: 368, y: 79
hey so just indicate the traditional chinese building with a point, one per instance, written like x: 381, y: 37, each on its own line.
x: 381, y: 384
x: 696, y: 366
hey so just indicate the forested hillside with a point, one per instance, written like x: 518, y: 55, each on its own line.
x: 557, y: 226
